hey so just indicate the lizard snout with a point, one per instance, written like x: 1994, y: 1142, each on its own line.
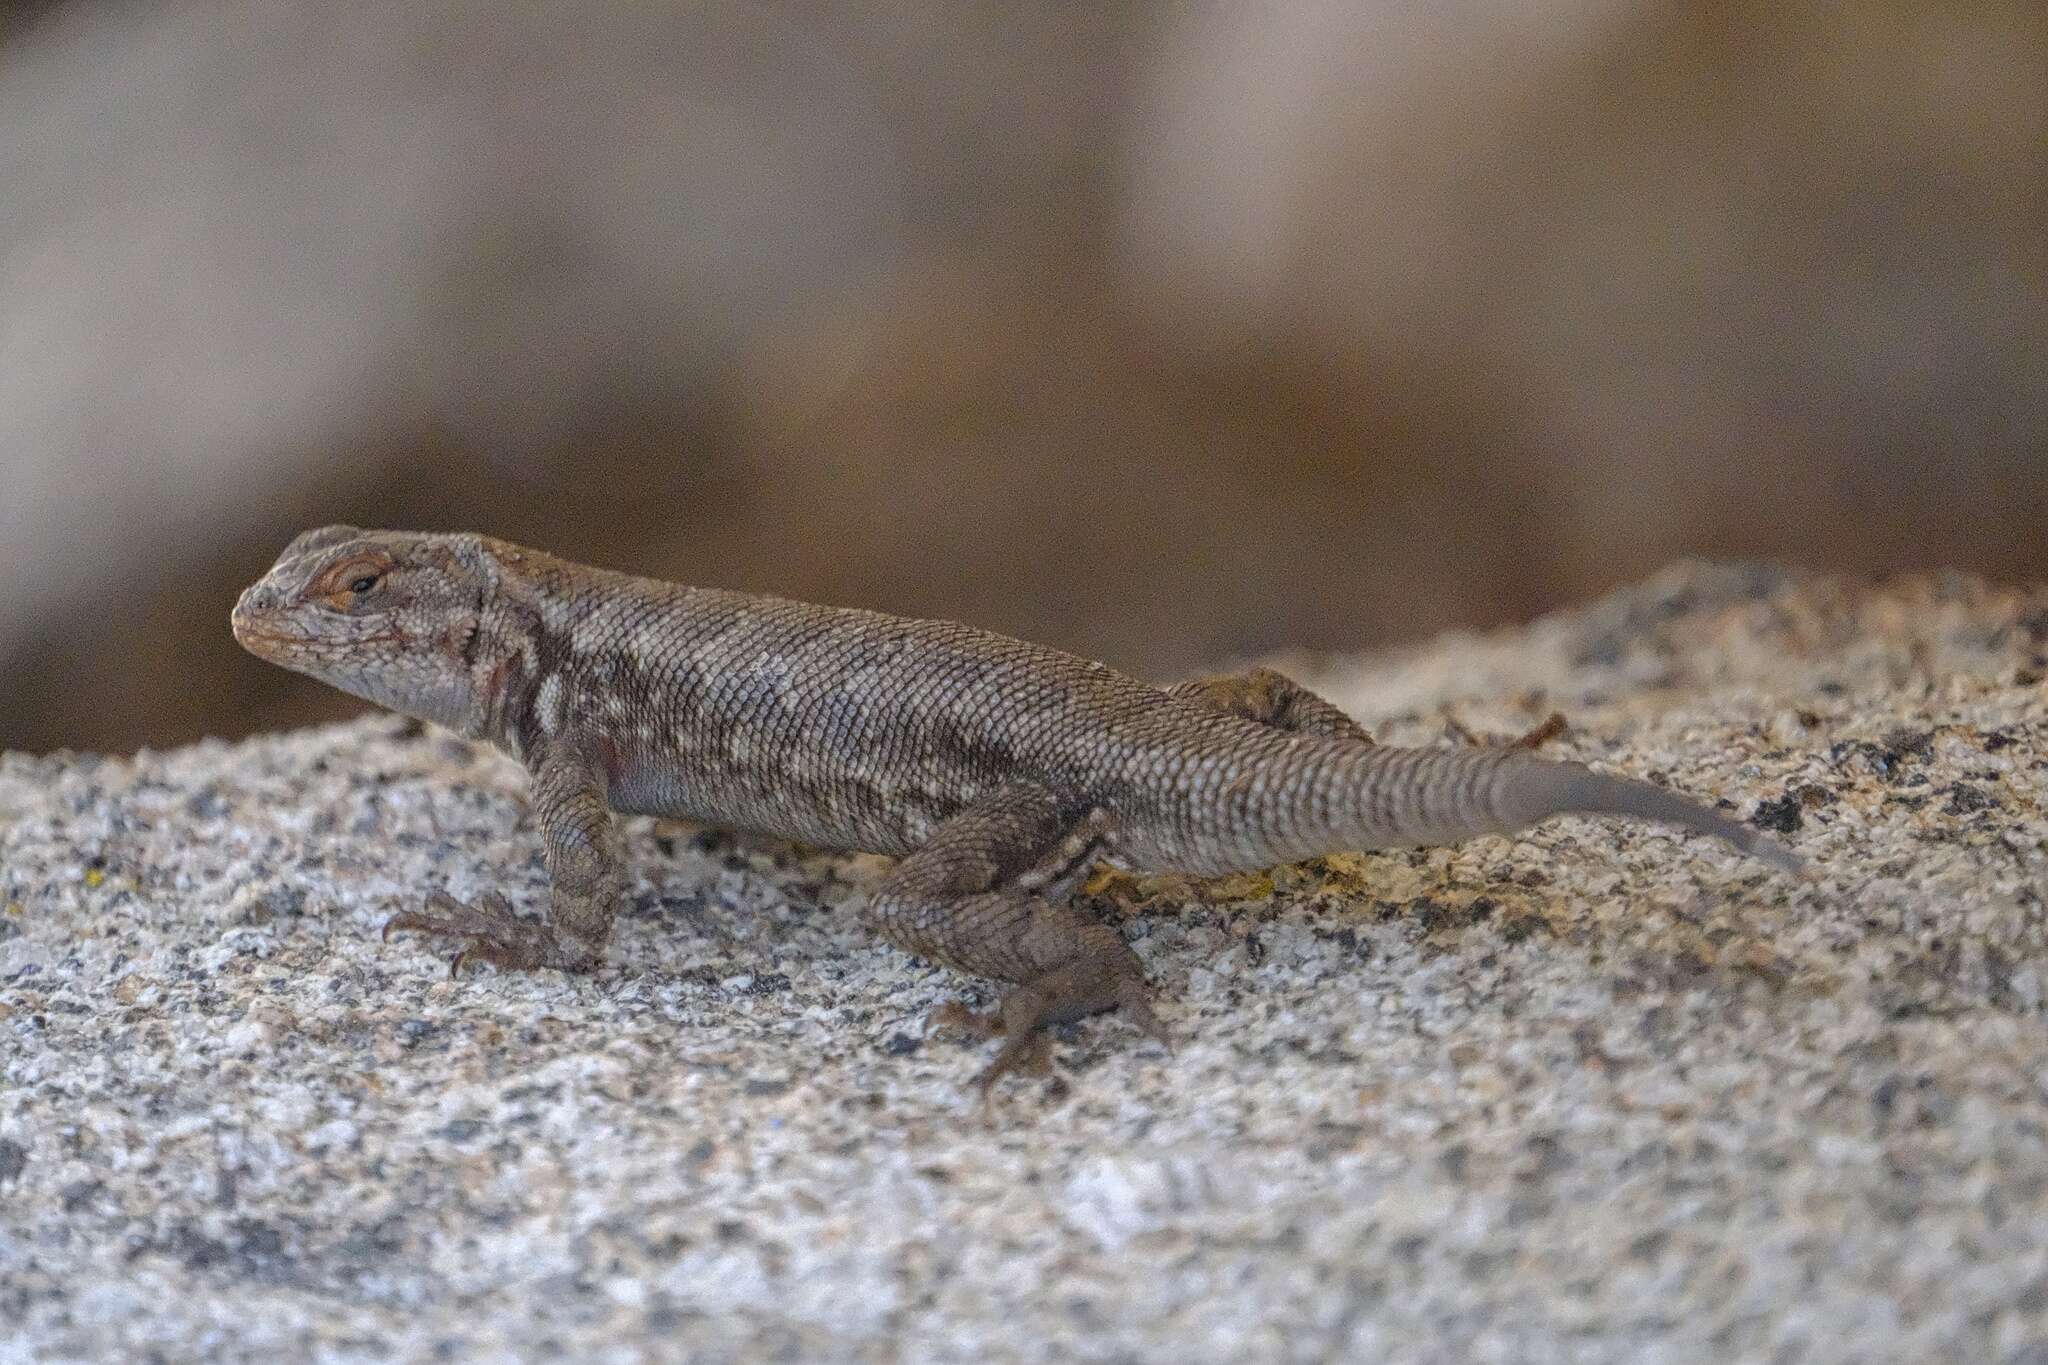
x: 257, y: 602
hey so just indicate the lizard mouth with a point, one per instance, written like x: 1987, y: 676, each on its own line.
x: 256, y: 639
x: 247, y: 634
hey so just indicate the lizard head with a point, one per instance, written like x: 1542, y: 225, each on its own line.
x: 393, y: 617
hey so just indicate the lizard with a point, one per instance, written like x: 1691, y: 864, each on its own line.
x: 1000, y: 773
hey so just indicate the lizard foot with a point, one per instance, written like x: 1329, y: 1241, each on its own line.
x: 1054, y: 998
x: 982, y: 1025
x: 496, y: 935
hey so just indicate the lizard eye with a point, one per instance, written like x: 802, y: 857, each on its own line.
x: 350, y: 583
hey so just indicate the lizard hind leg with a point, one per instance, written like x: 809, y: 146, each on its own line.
x: 1272, y: 698
x: 987, y: 895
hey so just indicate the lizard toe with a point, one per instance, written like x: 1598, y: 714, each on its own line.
x: 954, y: 1016
x: 450, y: 917
x: 496, y: 935
x: 1028, y: 1054
x: 1134, y: 997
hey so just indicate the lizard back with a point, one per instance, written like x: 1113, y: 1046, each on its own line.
x: 835, y: 726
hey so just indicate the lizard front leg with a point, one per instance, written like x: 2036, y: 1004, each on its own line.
x: 986, y: 895
x: 584, y: 864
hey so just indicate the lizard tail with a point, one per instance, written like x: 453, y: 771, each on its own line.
x: 1387, y: 797
x: 1557, y: 788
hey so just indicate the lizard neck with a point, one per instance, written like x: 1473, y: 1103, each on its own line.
x: 458, y: 664
x: 522, y: 662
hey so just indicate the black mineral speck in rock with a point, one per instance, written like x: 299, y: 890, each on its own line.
x: 1781, y: 815
x: 1963, y: 799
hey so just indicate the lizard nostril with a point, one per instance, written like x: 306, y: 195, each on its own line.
x: 253, y: 602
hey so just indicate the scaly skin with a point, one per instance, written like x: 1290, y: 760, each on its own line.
x: 1000, y: 771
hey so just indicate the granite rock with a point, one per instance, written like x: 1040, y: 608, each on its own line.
x: 1598, y: 1093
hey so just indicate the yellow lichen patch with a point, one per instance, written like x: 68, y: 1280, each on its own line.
x: 1307, y: 877
x: 1345, y: 871
x: 15, y: 908
x: 94, y: 876
x: 1128, y: 890
x: 1342, y: 873
x: 1107, y: 878
x: 1240, y: 886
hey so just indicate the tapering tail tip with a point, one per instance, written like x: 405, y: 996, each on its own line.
x: 1585, y: 792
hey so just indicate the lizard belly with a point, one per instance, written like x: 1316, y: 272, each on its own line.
x: 830, y: 809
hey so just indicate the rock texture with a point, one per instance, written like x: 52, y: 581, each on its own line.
x: 1595, y: 1094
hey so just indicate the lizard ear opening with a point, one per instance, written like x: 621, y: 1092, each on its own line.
x: 465, y: 637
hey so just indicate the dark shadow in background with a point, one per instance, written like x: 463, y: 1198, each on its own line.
x: 1164, y: 336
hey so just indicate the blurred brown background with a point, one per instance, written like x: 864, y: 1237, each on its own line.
x: 1169, y: 333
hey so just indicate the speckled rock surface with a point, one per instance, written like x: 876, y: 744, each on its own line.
x: 1596, y: 1094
